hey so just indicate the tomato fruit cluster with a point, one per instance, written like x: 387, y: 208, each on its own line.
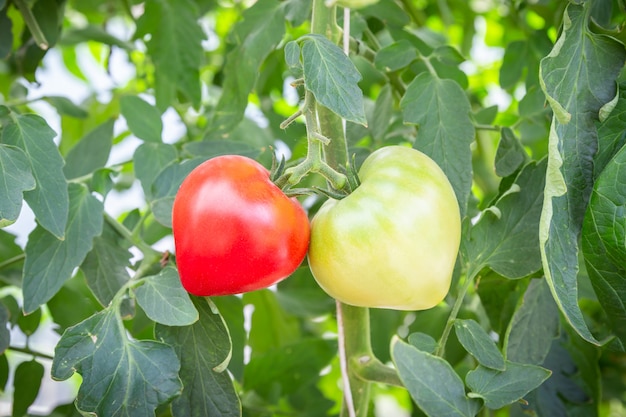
x: 393, y: 242
x: 234, y: 230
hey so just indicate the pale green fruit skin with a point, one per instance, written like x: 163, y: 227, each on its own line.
x: 393, y: 242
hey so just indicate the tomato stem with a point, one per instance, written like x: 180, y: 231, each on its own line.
x: 441, y: 348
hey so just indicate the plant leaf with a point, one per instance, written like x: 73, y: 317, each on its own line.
x: 49, y: 200
x: 150, y: 159
x: 432, y: 383
x: 508, y: 244
x: 441, y: 110
x: 534, y: 325
x: 15, y: 178
x: 578, y: 77
x: 500, y: 388
x: 116, y: 370
x: 603, y: 242
x: 203, y: 350
x: 510, y: 155
x: 5, y: 335
x: 332, y: 78
x: 143, y: 119
x: 91, y: 153
x: 28, y: 376
x: 49, y: 261
x: 165, y: 301
x: 478, y: 343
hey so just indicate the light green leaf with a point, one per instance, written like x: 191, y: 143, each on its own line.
x: 203, y: 350
x: 91, y: 153
x: 115, y: 369
x: 505, y: 239
x: 579, y: 79
x: 478, y: 343
x: 165, y: 301
x: 501, y: 388
x: 49, y: 200
x: 150, y: 159
x: 432, y: 383
x: 15, y: 178
x: 423, y: 342
x: 441, y: 110
x: 255, y: 36
x: 105, y: 265
x: 28, y: 376
x: 292, y: 57
x: 332, y: 78
x: 49, y: 261
x: 142, y: 118
x: 604, y: 242
x: 534, y: 325
x: 175, y: 47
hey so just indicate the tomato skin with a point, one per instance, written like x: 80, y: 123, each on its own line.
x: 235, y: 231
x: 393, y: 242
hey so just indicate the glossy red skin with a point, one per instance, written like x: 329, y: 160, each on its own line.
x: 235, y: 231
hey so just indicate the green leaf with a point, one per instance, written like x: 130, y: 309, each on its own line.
x: 513, y: 63
x: 203, y: 350
x: 395, y: 56
x: 505, y: 237
x: 213, y: 148
x: 49, y: 261
x: 116, y: 369
x: 4, y: 372
x: 91, y: 153
x: 380, y: 120
x: 534, y: 325
x: 29, y: 323
x: 301, y: 296
x: 150, y: 159
x: 142, y: 118
x: 11, y: 273
x: 261, y: 29
x: 92, y: 32
x: 501, y: 388
x: 5, y: 335
x: 292, y: 57
x: 105, y: 265
x: 73, y: 303
x: 578, y: 77
x: 49, y: 200
x: 432, y: 383
x: 175, y: 47
x: 603, y: 242
x: 15, y: 178
x: 66, y: 107
x: 231, y: 310
x: 28, y: 376
x: 510, y: 155
x: 332, y: 78
x: 611, y: 137
x: 6, y: 33
x: 165, y: 301
x: 424, y: 342
x: 441, y: 110
x: 288, y: 368
x: 478, y: 343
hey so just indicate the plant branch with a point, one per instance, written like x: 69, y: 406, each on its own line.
x: 32, y: 24
x: 441, y: 348
x: 29, y: 351
x: 147, y: 250
x: 8, y: 262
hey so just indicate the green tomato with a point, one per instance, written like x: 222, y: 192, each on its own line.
x: 393, y: 242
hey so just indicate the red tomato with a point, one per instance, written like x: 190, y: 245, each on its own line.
x: 235, y: 231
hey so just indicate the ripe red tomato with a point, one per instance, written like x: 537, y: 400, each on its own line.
x: 235, y: 231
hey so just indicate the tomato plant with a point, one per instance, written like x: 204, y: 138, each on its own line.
x: 234, y: 230
x: 393, y: 242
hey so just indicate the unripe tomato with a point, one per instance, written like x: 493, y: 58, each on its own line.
x: 235, y: 231
x: 393, y: 242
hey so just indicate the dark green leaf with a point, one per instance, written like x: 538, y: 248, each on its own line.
x: 332, y: 78
x: 611, y: 134
x: 260, y: 31
x: 432, y: 383
x: 5, y: 335
x: 213, y: 148
x: 288, y: 368
x: 13, y: 257
x: 93, y: 33
x: 150, y: 159
x: 292, y: 57
x: 500, y: 388
x: 424, y: 342
x: 49, y: 200
x: 579, y: 79
x: 73, y: 303
x: 231, y: 310
x: 380, y: 120
x: 65, y: 106
x: 29, y: 323
x: 478, y: 343
x: 28, y: 376
x: 143, y: 119
x: 441, y: 110
x: 165, y: 301
x: 505, y: 237
x: 487, y: 115
x: 510, y: 155
x: 14, y: 309
x: 6, y: 33
x: 105, y: 265
x: 204, y: 350
x: 301, y: 296
x: 534, y: 325
x: 162, y: 210
x: 513, y: 63
x: 49, y: 261
x: 91, y: 153
x: 175, y: 47
x: 395, y: 56
x: 603, y: 242
x: 15, y: 178
x: 4, y: 372
x: 115, y: 370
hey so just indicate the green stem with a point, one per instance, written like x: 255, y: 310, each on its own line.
x: 32, y: 24
x: 29, y: 351
x: 441, y: 349
x: 11, y: 261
